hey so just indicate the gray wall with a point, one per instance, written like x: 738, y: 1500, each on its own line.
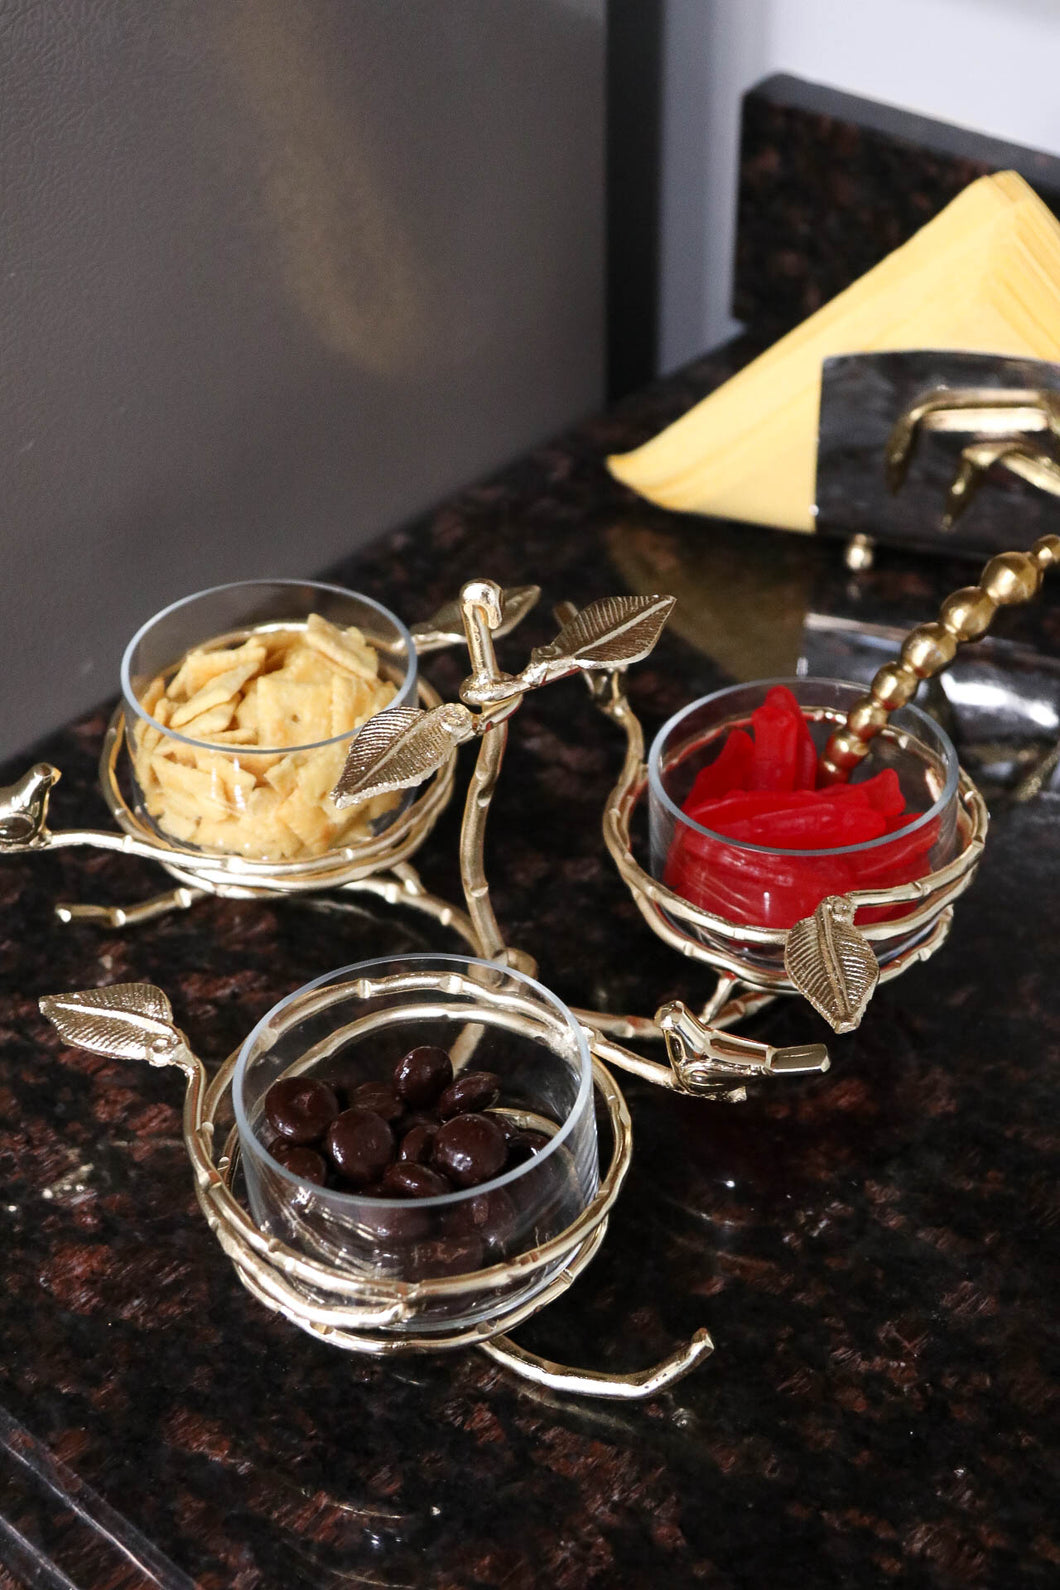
x: 276, y: 274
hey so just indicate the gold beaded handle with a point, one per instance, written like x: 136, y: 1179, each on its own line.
x: 1008, y: 579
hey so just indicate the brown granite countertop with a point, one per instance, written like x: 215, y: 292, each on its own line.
x: 874, y: 1250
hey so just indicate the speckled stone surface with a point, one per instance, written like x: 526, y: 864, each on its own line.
x: 830, y: 183
x: 873, y: 1250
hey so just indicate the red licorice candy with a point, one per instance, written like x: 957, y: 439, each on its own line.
x: 760, y: 790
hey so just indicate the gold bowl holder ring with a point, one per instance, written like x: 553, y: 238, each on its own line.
x: 745, y: 986
x: 372, y: 1314
x: 379, y: 866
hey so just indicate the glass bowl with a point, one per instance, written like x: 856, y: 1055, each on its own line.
x: 775, y: 888
x: 351, y: 1026
x: 241, y: 777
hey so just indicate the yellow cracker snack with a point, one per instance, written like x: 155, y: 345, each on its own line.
x: 305, y: 666
x: 347, y: 650
x: 282, y: 776
x: 234, y: 737
x: 305, y: 817
x: 208, y: 725
x: 247, y: 710
x: 230, y: 782
x: 225, y: 688
x: 149, y: 736
x: 201, y: 666
x: 246, y: 786
x: 346, y: 697
x: 292, y: 714
x: 320, y: 774
x: 180, y: 826
x: 153, y: 694
x: 214, y: 833
x: 189, y: 788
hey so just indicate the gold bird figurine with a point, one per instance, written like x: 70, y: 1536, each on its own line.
x: 24, y: 806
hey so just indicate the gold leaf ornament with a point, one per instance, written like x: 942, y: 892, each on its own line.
x: 446, y: 627
x: 614, y: 632
x: 401, y: 747
x: 131, y: 1021
x: 832, y: 964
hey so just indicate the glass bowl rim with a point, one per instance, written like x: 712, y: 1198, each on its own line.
x: 407, y: 689
x: 945, y: 796
x: 582, y: 1098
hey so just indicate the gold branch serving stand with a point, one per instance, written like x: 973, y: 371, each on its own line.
x: 827, y: 957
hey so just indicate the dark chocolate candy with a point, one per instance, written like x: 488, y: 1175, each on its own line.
x: 303, y: 1162
x: 415, y: 1146
x: 300, y: 1109
x: 472, y: 1091
x: 422, y: 1074
x: 408, y: 1180
x: 469, y: 1149
x: 379, y: 1098
x: 445, y: 1256
x: 360, y: 1145
x: 488, y: 1216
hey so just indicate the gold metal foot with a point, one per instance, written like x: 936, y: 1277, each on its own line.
x: 702, y: 1056
x: 594, y: 1383
x: 120, y: 916
x: 859, y: 553
x: 705, y: 1061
